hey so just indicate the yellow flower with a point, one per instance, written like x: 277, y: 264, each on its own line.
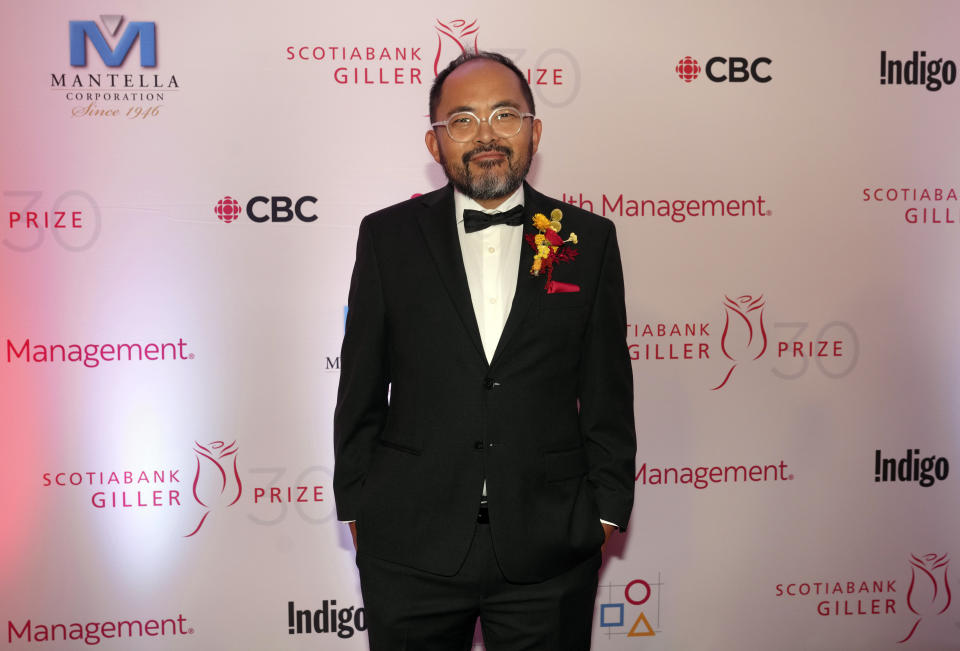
x: 536, y: 265
x: 556, y: 214
x: 539, y: 238
x: 572, y: 238
x: 543, y: 251
x: 541, y: 222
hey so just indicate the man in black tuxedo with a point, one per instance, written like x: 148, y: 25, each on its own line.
x: 484, y: 431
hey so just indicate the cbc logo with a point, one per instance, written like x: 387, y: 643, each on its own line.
x: 268, y: 209
x: 730, y: 69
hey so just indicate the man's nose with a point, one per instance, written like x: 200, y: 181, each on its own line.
x: 485, y: 132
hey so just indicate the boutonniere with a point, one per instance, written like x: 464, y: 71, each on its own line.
x: 549, y: 246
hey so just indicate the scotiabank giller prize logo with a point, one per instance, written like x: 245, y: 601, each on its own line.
x: 929, y: 592
x: 553, y: 74
x: 272, y: 495
x: 918, y: 205
x: 72, y: 219
x: 217, y: 480
x: 743, y: 331
x: 745, y: 341
x: 928, y: 596
x: 453, y: 39
x: 110, y: 88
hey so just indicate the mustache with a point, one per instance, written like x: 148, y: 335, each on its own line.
x: 506, y: 151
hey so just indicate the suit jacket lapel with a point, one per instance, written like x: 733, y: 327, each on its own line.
x: 440, y: 232
x: 527, y: 285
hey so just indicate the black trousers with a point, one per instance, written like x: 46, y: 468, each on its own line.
x: 410, y: 610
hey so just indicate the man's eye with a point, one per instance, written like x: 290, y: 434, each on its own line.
x: 462, y: 121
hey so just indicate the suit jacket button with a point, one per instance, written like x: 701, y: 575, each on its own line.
x: 488, y: 383
x: 478, y: 445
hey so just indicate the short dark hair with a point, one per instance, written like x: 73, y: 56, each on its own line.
x: 437, y: 86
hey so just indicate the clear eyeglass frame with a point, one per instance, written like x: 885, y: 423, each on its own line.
x: 470, y: 131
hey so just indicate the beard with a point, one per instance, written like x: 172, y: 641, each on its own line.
x: 491, y: 179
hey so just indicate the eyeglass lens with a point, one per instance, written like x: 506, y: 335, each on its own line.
x: 504, y: 122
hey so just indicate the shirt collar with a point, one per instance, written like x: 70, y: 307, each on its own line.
x: 462, y: 202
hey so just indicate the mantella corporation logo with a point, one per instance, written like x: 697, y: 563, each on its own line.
x: 112, y: 85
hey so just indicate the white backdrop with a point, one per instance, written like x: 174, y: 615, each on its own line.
x: 145, y: 334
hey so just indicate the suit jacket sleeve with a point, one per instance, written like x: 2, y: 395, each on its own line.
x: 606, y: 394
x: 362, y: 407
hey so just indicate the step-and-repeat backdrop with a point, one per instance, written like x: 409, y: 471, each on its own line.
x: 180, y: 190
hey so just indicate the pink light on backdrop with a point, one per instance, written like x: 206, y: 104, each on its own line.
x: 23, y: 435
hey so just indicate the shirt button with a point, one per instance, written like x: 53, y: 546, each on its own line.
x: 492, y: 250
x: 478, y: 445
x: 493, y: 301
x: 489, y: 383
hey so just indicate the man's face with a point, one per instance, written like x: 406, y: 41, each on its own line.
x: 488, y: 168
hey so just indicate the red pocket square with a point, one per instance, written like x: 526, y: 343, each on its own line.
x: 554, y: 287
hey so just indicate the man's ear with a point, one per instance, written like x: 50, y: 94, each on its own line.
x: 430, y: 138
x: 537, y: 130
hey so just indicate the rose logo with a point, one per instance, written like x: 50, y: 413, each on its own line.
x: 929, y: 592
x: 212, y: 486
x: 459, y: 33
x: 744, y: 337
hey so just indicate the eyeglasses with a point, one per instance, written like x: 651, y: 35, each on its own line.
x: 464, y: 126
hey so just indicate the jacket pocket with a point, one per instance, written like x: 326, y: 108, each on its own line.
x: 563, y: 301
x: 399, y: 447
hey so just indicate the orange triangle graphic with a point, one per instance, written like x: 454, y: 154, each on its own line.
x: 635, y: 633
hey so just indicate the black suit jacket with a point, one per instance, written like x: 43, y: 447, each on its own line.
x: 422, y: 418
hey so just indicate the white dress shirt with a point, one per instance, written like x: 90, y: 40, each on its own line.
x: 491, y: 258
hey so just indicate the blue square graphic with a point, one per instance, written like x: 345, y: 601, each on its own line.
x: 613, y: 610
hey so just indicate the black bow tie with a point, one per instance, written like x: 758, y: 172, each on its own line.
x: 475, y: 220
